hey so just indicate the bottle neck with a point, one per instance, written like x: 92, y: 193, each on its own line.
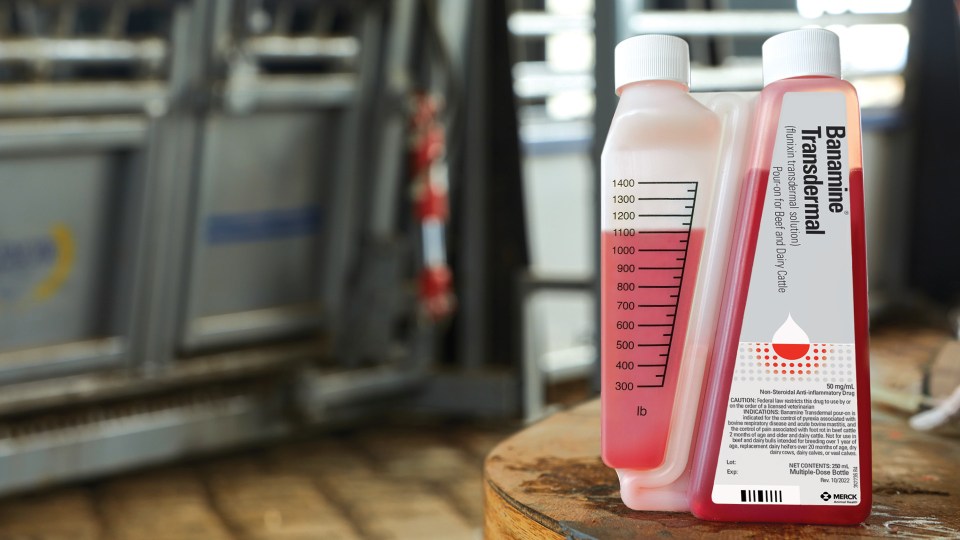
x: 799, y: 77
x: 635, y: 86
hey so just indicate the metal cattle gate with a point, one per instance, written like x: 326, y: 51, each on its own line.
x: 201, y: 244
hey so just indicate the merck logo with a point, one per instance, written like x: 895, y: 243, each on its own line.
x: 838, y: 496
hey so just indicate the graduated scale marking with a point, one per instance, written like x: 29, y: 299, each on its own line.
x: 672, y: 235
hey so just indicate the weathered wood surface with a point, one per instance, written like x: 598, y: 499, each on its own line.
x: 911, y: 366
x: 548, y: 482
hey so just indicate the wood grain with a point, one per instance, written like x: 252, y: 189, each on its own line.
x: 504, y: 518
x: 548, y: 482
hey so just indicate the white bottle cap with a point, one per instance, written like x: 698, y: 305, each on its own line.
x: 651, y: 57
x: 799, y: 53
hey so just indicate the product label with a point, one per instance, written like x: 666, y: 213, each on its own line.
x: 791, y: 427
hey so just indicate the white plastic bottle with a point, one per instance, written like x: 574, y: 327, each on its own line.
x: 658, y: 174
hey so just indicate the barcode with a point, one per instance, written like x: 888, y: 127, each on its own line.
x: 761, y: 495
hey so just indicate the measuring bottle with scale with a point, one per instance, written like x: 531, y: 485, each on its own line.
x: 658, y: 170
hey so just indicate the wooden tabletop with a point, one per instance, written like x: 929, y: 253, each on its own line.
x: 548, y: 482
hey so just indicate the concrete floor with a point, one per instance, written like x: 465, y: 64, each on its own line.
x: 394, y: 483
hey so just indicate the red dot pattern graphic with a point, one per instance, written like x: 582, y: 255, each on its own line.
x: 812, y: 364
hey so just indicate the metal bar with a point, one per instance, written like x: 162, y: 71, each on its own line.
x: 282, y: 18
x: 540, y: 138
x: 28, y: 18
x: 108, y: 440
x: 135, y: 241
x: 117, y: 18
x: 745, y: 23
x: 83, y: 51
x: 534, y: 377
x: 17, y: 136
x: 723, y: 46
x: 695, y: 23
x: 250, y: 326
x: 541, y: 24
x: 42, y: 362
x: 221, y: 27
x: 612, y: 27
x: 65, y: 98
x: 535, y: 80
x: 535, y: 374
x: 319, y: 391
x: 170, y: 184
x: 302, y: 48
x: 323, y: 19
x: 536, y: 282
x: 73, y: 453
x: 66, y: 18
x: 79, y: 389
x: 166, y: 169
x: 315, y: 91
x: 473, y: 262
x: 392, y: 139
x: 6, y: 17
x: 342, y: 240
x: 927, y: 262
x: 452, y: 21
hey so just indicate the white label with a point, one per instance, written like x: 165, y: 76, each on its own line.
x: 791, y: 426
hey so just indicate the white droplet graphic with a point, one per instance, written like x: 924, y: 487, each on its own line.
x: 790, y: 332
x: 790, y: 341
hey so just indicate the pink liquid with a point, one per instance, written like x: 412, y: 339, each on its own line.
x: 644, y: 312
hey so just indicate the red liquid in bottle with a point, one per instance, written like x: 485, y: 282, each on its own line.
x: 729, y: 345
x: 644, y: 315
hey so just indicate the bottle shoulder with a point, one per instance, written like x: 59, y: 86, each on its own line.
x: 776, y: 90
x: 662, y: 120
x: 661, y: 102
x: 770, y: 106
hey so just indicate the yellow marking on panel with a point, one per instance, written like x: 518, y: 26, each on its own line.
x: 63, y: 240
